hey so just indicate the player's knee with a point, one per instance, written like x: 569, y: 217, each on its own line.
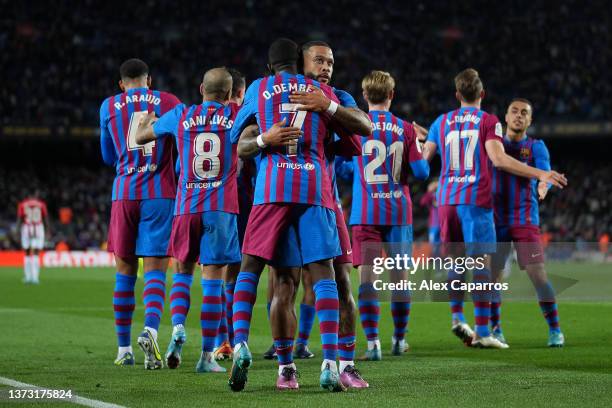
x: 309, y: 296
x: 537, y: 273
x: 285, y: 289
x: 151, y: 263
x: 251, y: 264
x: 232, y: 273
x: 127, y: 266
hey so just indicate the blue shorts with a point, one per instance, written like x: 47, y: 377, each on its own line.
x: 286, y: 256
x: 140, y: 227
x: 210, y: 237
x: 468, y: 224
x: 434, y: 235
x: 269, y: 234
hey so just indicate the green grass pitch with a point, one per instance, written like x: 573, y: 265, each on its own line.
x: 60, y: 335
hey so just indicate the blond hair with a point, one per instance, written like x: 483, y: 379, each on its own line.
x: 469, y: 85
x: 377, y: 86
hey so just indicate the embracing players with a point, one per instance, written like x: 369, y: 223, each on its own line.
x: 318, y: 64
x: 204, y: 229
x: 517, y: 219
x: 293, y: 201
x: 381, y: 212
x: 142, y: 203
x: 468, y: 140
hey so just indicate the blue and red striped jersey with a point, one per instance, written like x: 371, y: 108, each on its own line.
x: 207, y: 157
x: 143, y: 171
x: 516, y: 198
x: 381, y: 195
x: 465, y: 174
x: 289, y: 174
x: 347, y: 146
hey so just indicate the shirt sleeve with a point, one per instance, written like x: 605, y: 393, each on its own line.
x: 169, y: 101
x: 345, y: 98
x: 541, y: 157
x: 434, y: 133
x: 246, y: 113
x: 169, y: 122
x: 413, y: 153
x: 109, y: 156
x: 492, y: 128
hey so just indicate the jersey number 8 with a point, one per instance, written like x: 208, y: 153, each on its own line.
x: 206, y: 148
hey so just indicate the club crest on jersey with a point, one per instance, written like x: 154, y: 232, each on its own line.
x: 525, y: 153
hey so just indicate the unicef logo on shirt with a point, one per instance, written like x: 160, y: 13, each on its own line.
x: 398, y: 194
x: 152, y: 167
x: 308, y: 166
x: 471, y: 179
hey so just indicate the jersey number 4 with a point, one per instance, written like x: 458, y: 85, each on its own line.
x: 147, y: 148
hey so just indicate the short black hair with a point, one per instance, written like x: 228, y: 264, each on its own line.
x: 133, y: 68
x: 315, y: 43
x: 238, y: 80
x: 283, y: 52
x: 524, y: 100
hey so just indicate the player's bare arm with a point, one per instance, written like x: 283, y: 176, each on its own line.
x: 144, y: 133
x: 499, y: 158
x: 251, y: 143
x: 352, y: 119
x: 429, y: 150
x: 247, y: 144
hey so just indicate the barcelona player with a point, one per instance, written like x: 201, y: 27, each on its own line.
x: 469, y: 140
x: 381, y: 211
x: 293, y: 195
x: 204, y: 229
x: 142, y: 203
x: 517, y: 219
x: 245, y: 172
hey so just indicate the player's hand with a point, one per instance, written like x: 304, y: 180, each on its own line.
x: 279, y: 135
x: 542, y: 190
x: 146, y: 121
x: 432, y: 186
x: 314, y: 101
x: 421, y: 132
x: 554, y: 178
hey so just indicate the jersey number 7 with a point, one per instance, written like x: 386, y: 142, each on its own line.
x: 297, y: 121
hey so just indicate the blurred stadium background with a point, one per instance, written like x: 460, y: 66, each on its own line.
x: 58, y: 66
